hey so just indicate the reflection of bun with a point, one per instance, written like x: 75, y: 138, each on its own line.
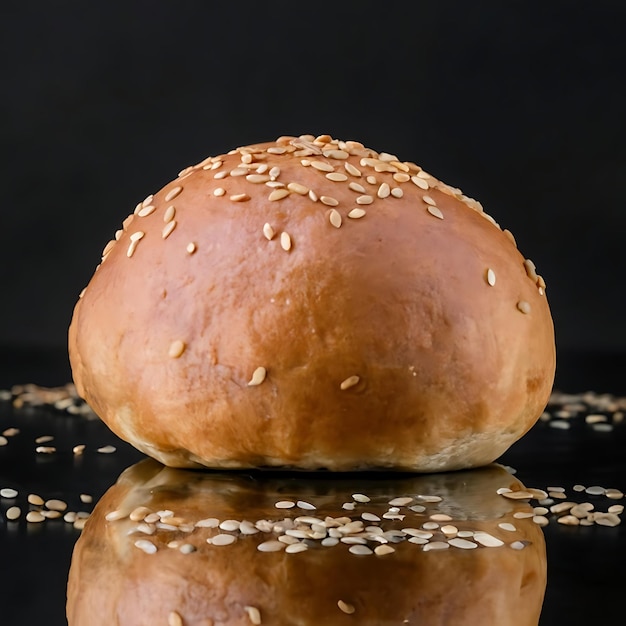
x: 312, y: 304
x: 113, y: 580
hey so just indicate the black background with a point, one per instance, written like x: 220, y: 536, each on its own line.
x: 520, y: 104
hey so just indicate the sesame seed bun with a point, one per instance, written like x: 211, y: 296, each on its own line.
x: 171, y: 546
x: 311, y: 303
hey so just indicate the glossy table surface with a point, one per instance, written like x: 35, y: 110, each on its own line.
x: 585, y: 563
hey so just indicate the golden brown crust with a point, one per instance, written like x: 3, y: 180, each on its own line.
x: 112, y: 581
x: 383, y: 342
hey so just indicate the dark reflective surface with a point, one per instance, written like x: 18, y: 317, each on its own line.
x: 584, y: 563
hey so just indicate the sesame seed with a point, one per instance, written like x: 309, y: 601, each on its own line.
x: 336, y: 177
x: 258, y: 376
x: 401, y: 177
x: 312, y: 196
x: 276, y: 150
x: 167, y: 230
x: 114, y: 516
x: 147, y: 200
x: 435, y: 211
x: 595, y: 490
x: 45, y: 449
x: 370, y: 517
x: 172, y: 193
x: 254, y: 615
x: 278, y: 194
x: 396, y: 192
x: 420, y: 182
x: 491, y: 277
x: 35, y: 517
x: 44, y: 439
x: 169, y: 214
x: 106, y: 449
x: 174, y: 619
x: 335, y: 218
x: 335, y: 154
x: 507, y: 526
x: 270, y: 546
x: 268, y: 231
x: 240, y: 197
x: 307, y: 506
x: 285, y: 504
x: 285, y: 241
x: 146, y: 546
x: 351, y: 381
x: 298, y: 188
x: 359, y: 497
x: 147, y: 210
x: 383, y: 549
x: 13, y: 513
x: 257, y: 178
x: 531, y: 269
x: 220, y: 175
x: 8, y: 493
x: 322, y: 166
x: 274, y: 172
x: 294, y: 548
x: 464, y: 544
x: 353, y: 171
x: 364, y: 200
x: 238, y: 171
x: 230, y: 524
x: 79, y: 449
x: 222, y: 540
x: 210, y: 522
x: 360, y: 550
x: 177, y: 347
x: 345, y: 607
x: 356, y: 213
x: 35, y: 500
x: 429, y: 200
x: 329, y: 200
x: 191, y: 247
x: 487, y: 540
x: 523, y: 306
x: 383, y: 191
x: 219, y: 191
x: 56, y: 505
x: 402, y: 501
x: 371, y: 180
x: 356, y: 187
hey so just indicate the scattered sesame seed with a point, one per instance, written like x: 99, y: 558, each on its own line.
x: 419, y: 181
x: 517, y: 545
x: 383, y: 191
x: 274, y: 172
x: 79, y: 449
x: 336, y: 177
x: 306, y: 506
x: 45, y: 449
x: 276, y: 150
x: 271, y: 546
x: 491, y: 277
x: 364, y: 199
x: 523, y: 306
x: 268, y: 231
x: 34, y: 517
x: 284, y: 504
x: 146, y: 546
x: 174, y: 619
x: 559, y: 424
x: 219, y: 191
x: 257, y: 178
x: 13, y: 513
x: 356, y: 213
x: 464, y: 544
x: 335, y: 154
x: 172, y: 193
x: 359, y: 497
x: 396, y: 192
x: 191, y: 247
x: 278, y: 194
x: 254, y: 615
x: 401, y: 177
x: 176, y: 349
x: 258, y: 376
x: 56, y: 505
x: 329, y: 200
x: 312, y: 196
x: 436, y: 545
x: 298, y: 188
x: 345, y: 607
x: 169, y: 214
x: 351, y: 381
x: 353, y: 171
x: 531, y: 269
x: 106, y: 449
x: 167, y: 230
x: 507, y: 526
x: 222, y: 540
x: 285, y: 241
x: 356, y: 187
x: 322, y: 166
x: 3, y: 441
x: 360, y: 550
x: 147, y: 210
x: 335, y: 218
x: 238, y: 171
x: 435, y: 211
x: 429, y: 200
x: 9, y: 493
x: 11, y: 432
x: 240, y: 197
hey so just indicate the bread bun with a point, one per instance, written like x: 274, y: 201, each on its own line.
x: 143, y: 571
x: 311, y: 303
